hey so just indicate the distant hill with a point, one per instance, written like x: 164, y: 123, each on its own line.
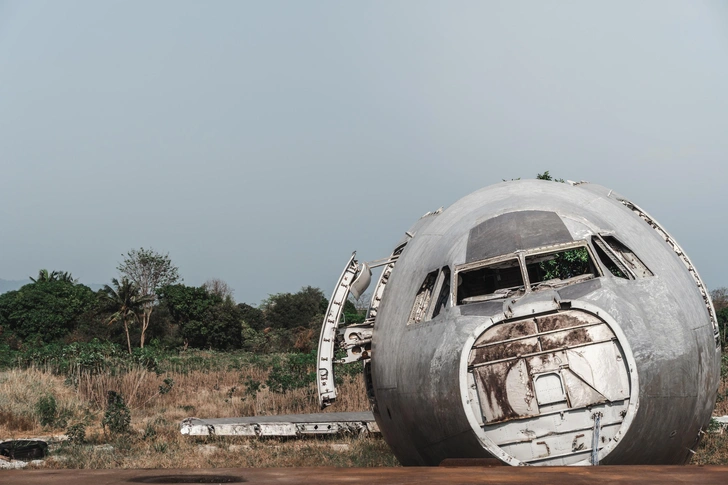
x: 10, y: 285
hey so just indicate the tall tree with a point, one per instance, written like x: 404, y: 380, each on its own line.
x: 292, y: 310
x: 218, y: 287
x: 44, y: 311
x: 252, y: 316
x: 45, y: 276
x: 149, y: 271
x: 720, y: 298
x: 720, y: 303
x: 125, y: 300
x: 206, y: 320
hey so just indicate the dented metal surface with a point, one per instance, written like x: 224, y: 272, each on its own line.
x: 614, y: 362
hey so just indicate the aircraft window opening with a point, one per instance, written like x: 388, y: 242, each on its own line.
x: 633, y: 266
x: 491, y: 282
x: 443, y: 297
x: 610, y: 260
x: 560, y: 268
x: 422, y: 299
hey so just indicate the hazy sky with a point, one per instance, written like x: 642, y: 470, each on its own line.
x: 261, y: 142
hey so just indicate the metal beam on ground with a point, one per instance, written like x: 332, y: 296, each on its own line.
x: 282, y: 425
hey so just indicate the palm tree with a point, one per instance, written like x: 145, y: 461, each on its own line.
x: 125, y: 300
x: 64, y: 276
x: 45, y: 276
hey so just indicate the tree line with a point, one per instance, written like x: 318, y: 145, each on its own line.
x: 149, y: 304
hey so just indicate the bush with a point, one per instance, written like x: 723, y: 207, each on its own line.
x: 77, y: 433
x: 7, y: 355
x: 117, y: 418
x: 293, y: 372
x: 47, y: 410
x: 166, y: 386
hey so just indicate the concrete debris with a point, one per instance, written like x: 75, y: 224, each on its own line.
x: 18, y: 464
x: 12, y: 465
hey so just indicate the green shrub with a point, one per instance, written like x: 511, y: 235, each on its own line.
x: 76, y: 433
x: 150, y: 432
x: 292, y: 372
x: 47, y: 410
x: 252, y: 387
x: 117, y: 418
x: 166, y: 386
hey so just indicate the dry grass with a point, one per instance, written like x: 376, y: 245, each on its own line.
x: 169, y: 449
x: 713, y: 450
x: 721, y: 407
x: 156, y: 442
x: 20, y: 391
x: 137, y: 386
x: 223, y: 394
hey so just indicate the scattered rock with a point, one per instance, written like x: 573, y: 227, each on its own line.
x: 340, y: 447
x: 105, y: 447
x: 12, y: 464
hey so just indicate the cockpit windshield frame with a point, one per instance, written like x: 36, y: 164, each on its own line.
x: 521, y: 256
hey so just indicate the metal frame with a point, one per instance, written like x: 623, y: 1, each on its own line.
x: 521, y: 257
x: 325, y: 381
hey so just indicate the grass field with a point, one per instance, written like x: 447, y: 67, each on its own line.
x: 51, y: 399
x: 195, y: 384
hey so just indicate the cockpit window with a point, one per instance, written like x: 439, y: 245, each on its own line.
x: 554, y: 267
x: 609, y: 259
x: 422, y: 300
x: 444, y: 294
x: 496, y: 280
x: 560, y: 268
x: 617, y: 254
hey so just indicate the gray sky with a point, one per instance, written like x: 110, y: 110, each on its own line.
x: 262, y: 142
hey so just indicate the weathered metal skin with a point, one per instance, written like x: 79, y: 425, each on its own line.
x: 662, y: 326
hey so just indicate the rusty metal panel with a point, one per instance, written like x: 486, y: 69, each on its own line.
x: 505, y: 391
x: 548, y: 381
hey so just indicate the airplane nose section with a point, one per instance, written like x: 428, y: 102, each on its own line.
x: 553, y: 388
